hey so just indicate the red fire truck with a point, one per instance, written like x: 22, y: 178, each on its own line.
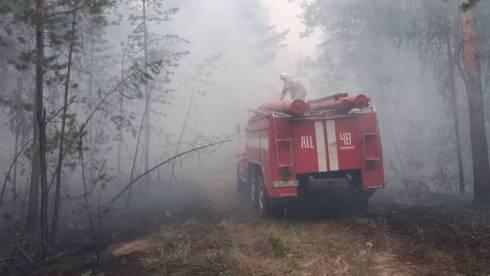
x: 311, y: 150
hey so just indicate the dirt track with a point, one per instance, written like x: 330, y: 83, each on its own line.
x: 400, y: 236
x: 217, y: 233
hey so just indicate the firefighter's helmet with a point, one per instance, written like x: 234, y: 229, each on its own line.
x: 284, y: 76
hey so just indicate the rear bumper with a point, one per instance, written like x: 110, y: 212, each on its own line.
x: 322, y: 184
x: 284, y: 192
x: 327, y: 184
x: 283, y: 201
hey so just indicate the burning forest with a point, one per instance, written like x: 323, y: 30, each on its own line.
x: 255, y: 137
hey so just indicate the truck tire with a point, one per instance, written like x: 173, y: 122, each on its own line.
x: 253, y: 194
x: 264, y: 206
x: 241, y: 186
x: 252, y: 185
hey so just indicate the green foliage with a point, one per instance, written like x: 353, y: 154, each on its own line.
x: 469, y: 4
x: 277, y: 246
x: 359, y: 32
x: 373, y: 45
x: 91, y: 273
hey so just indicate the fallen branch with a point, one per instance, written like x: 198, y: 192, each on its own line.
x: 23, y: 252
x: 163, y: 163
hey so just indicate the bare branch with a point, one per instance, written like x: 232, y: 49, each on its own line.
x: 102, y: 101
x: 72, y: 100
x: 163, y: 163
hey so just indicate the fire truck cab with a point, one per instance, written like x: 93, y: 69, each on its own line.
x: 312, y: 151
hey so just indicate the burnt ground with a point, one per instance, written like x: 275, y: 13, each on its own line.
x: 205, y: 229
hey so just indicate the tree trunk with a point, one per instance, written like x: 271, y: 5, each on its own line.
x: 18, y: 125
x: 135, y: 158
x: 92, y: 129
x: 16, y: 149
x: 121, y: 113
x: 119, y: 142
x: 41, y: 125
x: 479, y: 147
x: 59, y: 167
x: 173, y: 176
x: 33, y: 204
x: 147, y: 98
x: 455, y: 115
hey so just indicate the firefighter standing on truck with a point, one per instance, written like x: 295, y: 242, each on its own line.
x: 294, y: 87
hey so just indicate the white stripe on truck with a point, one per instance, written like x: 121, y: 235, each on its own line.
x: 333, y: 157
x: 320, y: 146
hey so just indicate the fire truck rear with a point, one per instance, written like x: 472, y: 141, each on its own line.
x: 311, y: 150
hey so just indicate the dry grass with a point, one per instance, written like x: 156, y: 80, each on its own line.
x: 228, y: 238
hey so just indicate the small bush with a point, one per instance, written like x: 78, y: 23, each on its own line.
x: 278, y: 247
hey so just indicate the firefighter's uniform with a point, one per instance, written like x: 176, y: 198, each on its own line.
x: 295, y: 89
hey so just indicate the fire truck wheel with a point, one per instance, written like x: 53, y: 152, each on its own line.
x: 263, y: 202
x: 241, y: 186
x: 253, y: 193
x: 251, y: 184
